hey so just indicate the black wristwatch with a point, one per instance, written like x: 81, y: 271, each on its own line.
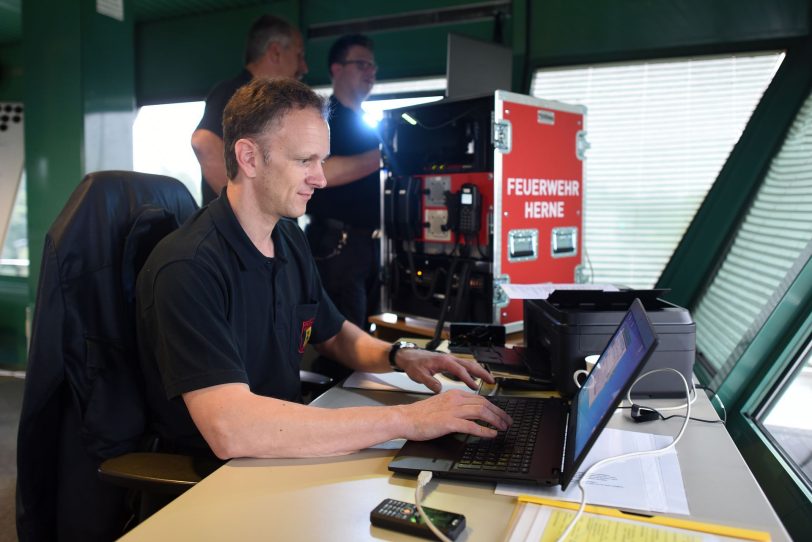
x: 394, y: 350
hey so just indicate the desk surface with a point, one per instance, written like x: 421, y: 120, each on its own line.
x: 330, y: 498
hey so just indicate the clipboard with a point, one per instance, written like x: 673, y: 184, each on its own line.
x: 691, y: 527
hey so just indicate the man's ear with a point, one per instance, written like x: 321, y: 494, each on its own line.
x: 333, y: 67
x: 248, y: 154
x: 273, y: 52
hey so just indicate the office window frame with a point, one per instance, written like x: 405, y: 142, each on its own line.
x: 761, y: 371
x: 775, y: 396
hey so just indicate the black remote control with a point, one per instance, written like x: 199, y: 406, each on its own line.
x: 404, y: 517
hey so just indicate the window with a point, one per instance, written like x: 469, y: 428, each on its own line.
x: 14, y: 256
x: 13, y: 209
x: 659, y: 133
x: 394, y: 94
x: 770, y: 247
x: 786, y: 420
x: 162, y: 137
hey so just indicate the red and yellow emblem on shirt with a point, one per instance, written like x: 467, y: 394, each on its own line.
x: 304, y: 337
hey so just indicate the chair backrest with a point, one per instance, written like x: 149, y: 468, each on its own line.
x: 84, y: 399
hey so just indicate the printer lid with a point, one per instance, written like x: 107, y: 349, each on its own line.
x: 600, y: 300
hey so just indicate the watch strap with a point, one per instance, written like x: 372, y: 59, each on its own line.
x: 393, y: 350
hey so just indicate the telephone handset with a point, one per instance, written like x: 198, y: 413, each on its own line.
x: 470, y: 209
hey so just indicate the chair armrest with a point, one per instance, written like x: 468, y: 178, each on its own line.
x: 309, y: 378
x: 314, y: 384
x: 156, y: 472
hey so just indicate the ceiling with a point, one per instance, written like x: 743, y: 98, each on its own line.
x: 145, y: 10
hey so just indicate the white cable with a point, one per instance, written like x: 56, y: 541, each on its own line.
x: 623, y: 457
x: 422, y: 479
x: 692, y: 397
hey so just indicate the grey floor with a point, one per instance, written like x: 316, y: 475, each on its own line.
x: 11, y: 396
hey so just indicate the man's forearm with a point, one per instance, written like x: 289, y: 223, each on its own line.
x: 238, y: 423
x: 340, y: 170
x: 209, y: 150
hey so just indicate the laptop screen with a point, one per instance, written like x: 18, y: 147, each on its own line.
x: 618, y: 365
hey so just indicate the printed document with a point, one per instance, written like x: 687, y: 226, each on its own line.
x: 650, y: 483
x: 399, y: 382
x: 543, y: 290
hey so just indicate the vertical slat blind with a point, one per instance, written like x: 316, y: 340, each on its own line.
x: 772, y: 244
x: 659, y: 134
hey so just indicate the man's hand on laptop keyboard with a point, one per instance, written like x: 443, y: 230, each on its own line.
x: 422, y: 365
x: 452, y: 412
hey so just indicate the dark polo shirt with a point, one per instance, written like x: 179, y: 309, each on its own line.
x: 213, y: 116
x: 211, y: 309
x: 357, y: 203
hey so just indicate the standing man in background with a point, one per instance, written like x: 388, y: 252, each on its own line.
x: 274, y: 49
x: 345, y: 217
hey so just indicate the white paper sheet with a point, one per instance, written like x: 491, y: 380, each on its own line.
x: 543, y: 290
x: 650, y: 483
x: 399, y: 382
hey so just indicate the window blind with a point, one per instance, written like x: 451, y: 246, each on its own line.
x: 772, y: 244
x: 659, y: 133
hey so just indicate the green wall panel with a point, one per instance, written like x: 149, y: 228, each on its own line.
x: 577, y: 31
x: 53, y: 120
x: 79, y: 104
x: 11, y: 72
x: 328, y: 11
x: 181, y: 59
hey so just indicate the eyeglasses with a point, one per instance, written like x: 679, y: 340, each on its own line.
x: 363, y: 65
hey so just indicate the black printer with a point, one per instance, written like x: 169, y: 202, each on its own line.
x: 572, y: 324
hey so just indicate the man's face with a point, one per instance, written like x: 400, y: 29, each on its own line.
x: 292, y: 60
x: 356, y: 72
x: 289, y: 168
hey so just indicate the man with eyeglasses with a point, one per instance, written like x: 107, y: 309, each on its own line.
x: 274, y: 48
x: 345, y: 217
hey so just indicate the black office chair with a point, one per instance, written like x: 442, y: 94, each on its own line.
x: 84, y: 401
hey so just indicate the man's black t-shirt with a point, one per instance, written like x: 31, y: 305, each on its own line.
x: 213, y: 116
x: 211, y: 309
x: 356, y: 203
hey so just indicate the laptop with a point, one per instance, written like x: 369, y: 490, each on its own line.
x: 550, y: 437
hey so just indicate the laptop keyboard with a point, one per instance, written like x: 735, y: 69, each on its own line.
x: 511, y: 450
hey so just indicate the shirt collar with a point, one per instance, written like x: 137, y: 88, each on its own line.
x: 229, y: 227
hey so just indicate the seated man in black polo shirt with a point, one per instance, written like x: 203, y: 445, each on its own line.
x: 227, y: 303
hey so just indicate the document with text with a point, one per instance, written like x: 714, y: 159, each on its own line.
x: 649, y: 483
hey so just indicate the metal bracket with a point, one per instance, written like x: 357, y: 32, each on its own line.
x: 500, y: 298
x: 501, y: 136
x: 581, y: 274
x: 581, y: 145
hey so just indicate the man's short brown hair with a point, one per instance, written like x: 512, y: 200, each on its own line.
x: 255, y: 107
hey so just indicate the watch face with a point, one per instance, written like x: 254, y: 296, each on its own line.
x: 407, y: 344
